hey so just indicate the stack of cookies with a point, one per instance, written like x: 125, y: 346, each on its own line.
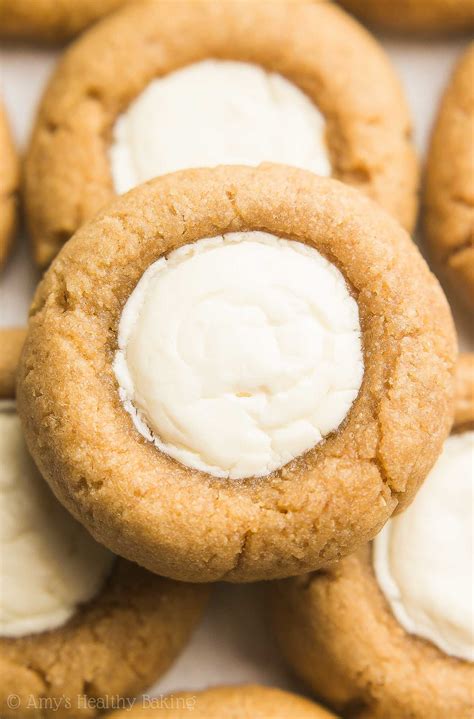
x: 237, y: 366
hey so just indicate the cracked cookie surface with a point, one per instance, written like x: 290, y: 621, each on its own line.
x: 349, y: 78
x: 184, y: 523
x: 9, y: 181
x: 449, y: 183
x: 51, y: 20
x: 337, y: 631
x: 417, y: 16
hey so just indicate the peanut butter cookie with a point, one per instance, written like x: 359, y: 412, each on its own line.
x: 246, y: 702
x: 449, y: 184
x: 387, y: 632
x: 9, y: 180
x: 51, y: 20
x: 254, y: 429
x: 194, y: 84
x: 417, y: 16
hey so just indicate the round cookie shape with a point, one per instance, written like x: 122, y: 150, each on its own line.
x: 246, y: 702
x: 331, y: 623
x: 187, y: 524
x: 449, y: 186
x: 9, y: 181
x: 415, y: 16
x: 367, y: 132
x: 46, y: 21
x: 117, y: 640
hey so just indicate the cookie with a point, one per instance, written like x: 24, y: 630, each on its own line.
x: 75, y: 622
x: 11, y: 343
x: 9, y: 180
x: 219, y: 90
x: 50, y: 20
x: 246, y: 702
x: 449, y: 186
x: 389, y: 644
x: 348, y: 403
x: 415, y: 16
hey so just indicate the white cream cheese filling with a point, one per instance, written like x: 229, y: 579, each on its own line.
x: 49, y: 564
x: 216, y: 112
x: 423, y: 558
x: 239, y: 353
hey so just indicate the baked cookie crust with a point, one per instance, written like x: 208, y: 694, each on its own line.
x: 449, y: 183
x: 338, y: 633
x: 118, y: 643
x: 415, y: 16
x: 9, y: 182
x: 186, y: 524
x: 51, y: 20
x: 11, y: 343
x: 245, y: 702
x: 68, y: 175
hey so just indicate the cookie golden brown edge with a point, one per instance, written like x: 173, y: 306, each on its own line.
x: 118, y: 643
x: 51, y: 21
x: 316, y: 508
x: 449, y: 185
x: 329, y: 56
x: 246, y: 702
x: 338, y: 633
x: 9, y: 183
x: 415, y: 16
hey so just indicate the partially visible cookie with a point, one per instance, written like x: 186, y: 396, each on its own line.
x: 51, y: 20
x: 244, y: 702
x: 417, y: 16
x: 9, y: 181
x: 344, y: 630
x: 449, y: 182
x: 342, y: 98
x: 11, y: 342
x: 117, y: 644
x: 464, y: 390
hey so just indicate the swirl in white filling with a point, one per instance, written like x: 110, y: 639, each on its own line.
x: 216, y: 112
x: 239, y: 353
x: 49, y: 563
x: 423, y: 558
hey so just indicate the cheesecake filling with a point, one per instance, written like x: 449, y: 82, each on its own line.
x: 216, y: 112
x: 424, y: 559
x: 238, y: 353
x: 49, y: 564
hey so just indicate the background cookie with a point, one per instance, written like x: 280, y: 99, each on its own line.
x: 9, y: 180
x: 50, y: 20
x: 246, y: 702
x: 348, y: 78
x: 420, y: 16
x: 337, y: 630
x: 11, y: 343
x: 449, y: 185
x: 318, y: 506
x: 116, y: 645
